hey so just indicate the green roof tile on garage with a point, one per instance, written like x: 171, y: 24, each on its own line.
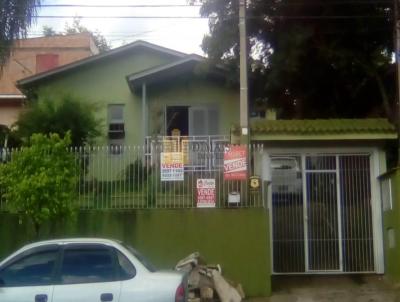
x: 323, y: 129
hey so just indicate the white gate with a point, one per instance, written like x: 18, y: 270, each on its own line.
x: 321, y: 213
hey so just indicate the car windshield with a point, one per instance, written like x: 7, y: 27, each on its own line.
x: 141, y: 258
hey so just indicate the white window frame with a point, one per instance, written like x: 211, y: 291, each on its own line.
x: 115, y: 144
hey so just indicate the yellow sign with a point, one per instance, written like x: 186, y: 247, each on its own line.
x: 255, y: 183
x: 172, y: 166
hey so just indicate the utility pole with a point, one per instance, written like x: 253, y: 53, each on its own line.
x: 244, y: 102
x: 397, y: 52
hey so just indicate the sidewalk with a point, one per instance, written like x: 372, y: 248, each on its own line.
x: 332, y: 289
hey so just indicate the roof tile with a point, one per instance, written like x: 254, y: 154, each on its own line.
x: 323, y: 126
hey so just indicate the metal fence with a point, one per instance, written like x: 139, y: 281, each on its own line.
x: 129, y: 177
x: 321, y: 213
x: 203, y: 152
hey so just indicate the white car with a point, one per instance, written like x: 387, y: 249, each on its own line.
x: 87, y: 270
x: 286, y: 175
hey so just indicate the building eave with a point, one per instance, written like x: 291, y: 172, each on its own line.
x: 367, y: 129
x: 29, y: 80
x: 324, y: 137
x: 12, y: 97
x: 136, y: 80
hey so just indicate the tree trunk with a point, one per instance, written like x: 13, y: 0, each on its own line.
x: 37, y: 229
x: 385, y: 99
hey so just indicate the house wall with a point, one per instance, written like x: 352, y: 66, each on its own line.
x: 102, y: 84
x: 391, y: 223
x: 9, y: 112
x: 22, y: 62
x: 105, y: 83
x: 194, y: 91
x: 235, y: 239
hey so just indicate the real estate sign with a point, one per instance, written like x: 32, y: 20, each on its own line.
x: 172, y: 168
x: 206, y: 193
x: 235, y: 162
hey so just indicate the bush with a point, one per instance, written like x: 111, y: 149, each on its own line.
x: 55, y: 113
x: 136, y: 174
x: 40, y: 180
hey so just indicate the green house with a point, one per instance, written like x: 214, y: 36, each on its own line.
x: 146, y: 90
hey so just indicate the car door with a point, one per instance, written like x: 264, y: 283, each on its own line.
x: 133, y: 287
x: 29, y: 276
x: 87, y: 273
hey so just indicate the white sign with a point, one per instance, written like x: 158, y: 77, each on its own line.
x: 206, y: 193
x: 172, y: 168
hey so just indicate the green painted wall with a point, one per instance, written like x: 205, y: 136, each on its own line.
x: 391, y: 220
x: 105, y: 83
x: 236, y: 239
x: 193, y: 91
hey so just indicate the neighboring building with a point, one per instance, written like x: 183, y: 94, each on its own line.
x: 324, y: 195
x: 33, y: 56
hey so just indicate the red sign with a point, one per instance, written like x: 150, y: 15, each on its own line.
x: 235, y: 163
x: 206, y: 193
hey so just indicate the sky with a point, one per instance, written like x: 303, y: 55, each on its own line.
x: 184, y: 35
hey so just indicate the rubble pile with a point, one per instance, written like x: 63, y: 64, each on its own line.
x: 206, y: 283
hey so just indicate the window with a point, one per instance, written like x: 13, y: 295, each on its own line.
x: 32, y: 270
x: 45, y: 62
x: 87, y: 265
x: 178, y: 118
x: 150, y: 267
x: 116, y: 128
x: 195, y: 120
x: 203, y: 120
x: 125, y: 267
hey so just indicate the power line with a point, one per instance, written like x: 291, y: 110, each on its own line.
x: 117, y: 17
x: 212, y: 17
x: 120, y: 6
x: 307, y: 3
x: 314, y: 3
x: 158, y: 32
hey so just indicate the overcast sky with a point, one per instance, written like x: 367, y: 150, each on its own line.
x: 180, y: 34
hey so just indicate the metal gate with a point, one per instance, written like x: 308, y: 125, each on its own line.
x: 321, y: 214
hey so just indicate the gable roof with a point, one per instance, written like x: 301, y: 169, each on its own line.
x: 99, y: 57
x: 323, y: 129
x: 189, y: 63
x: 159, y: 72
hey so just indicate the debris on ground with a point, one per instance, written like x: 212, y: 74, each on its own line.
x: 206, y: 283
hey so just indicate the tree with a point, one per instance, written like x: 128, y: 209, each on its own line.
x: 319, y: 58
x: 60, y: 113
x: 75, y: 28
x: 15, y: 18
x: 48, y: 31
x: 40, y: 180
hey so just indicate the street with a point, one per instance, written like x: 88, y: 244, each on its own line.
x: 332, y: 289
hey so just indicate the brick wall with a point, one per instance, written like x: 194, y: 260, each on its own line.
x: 23, y: 62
